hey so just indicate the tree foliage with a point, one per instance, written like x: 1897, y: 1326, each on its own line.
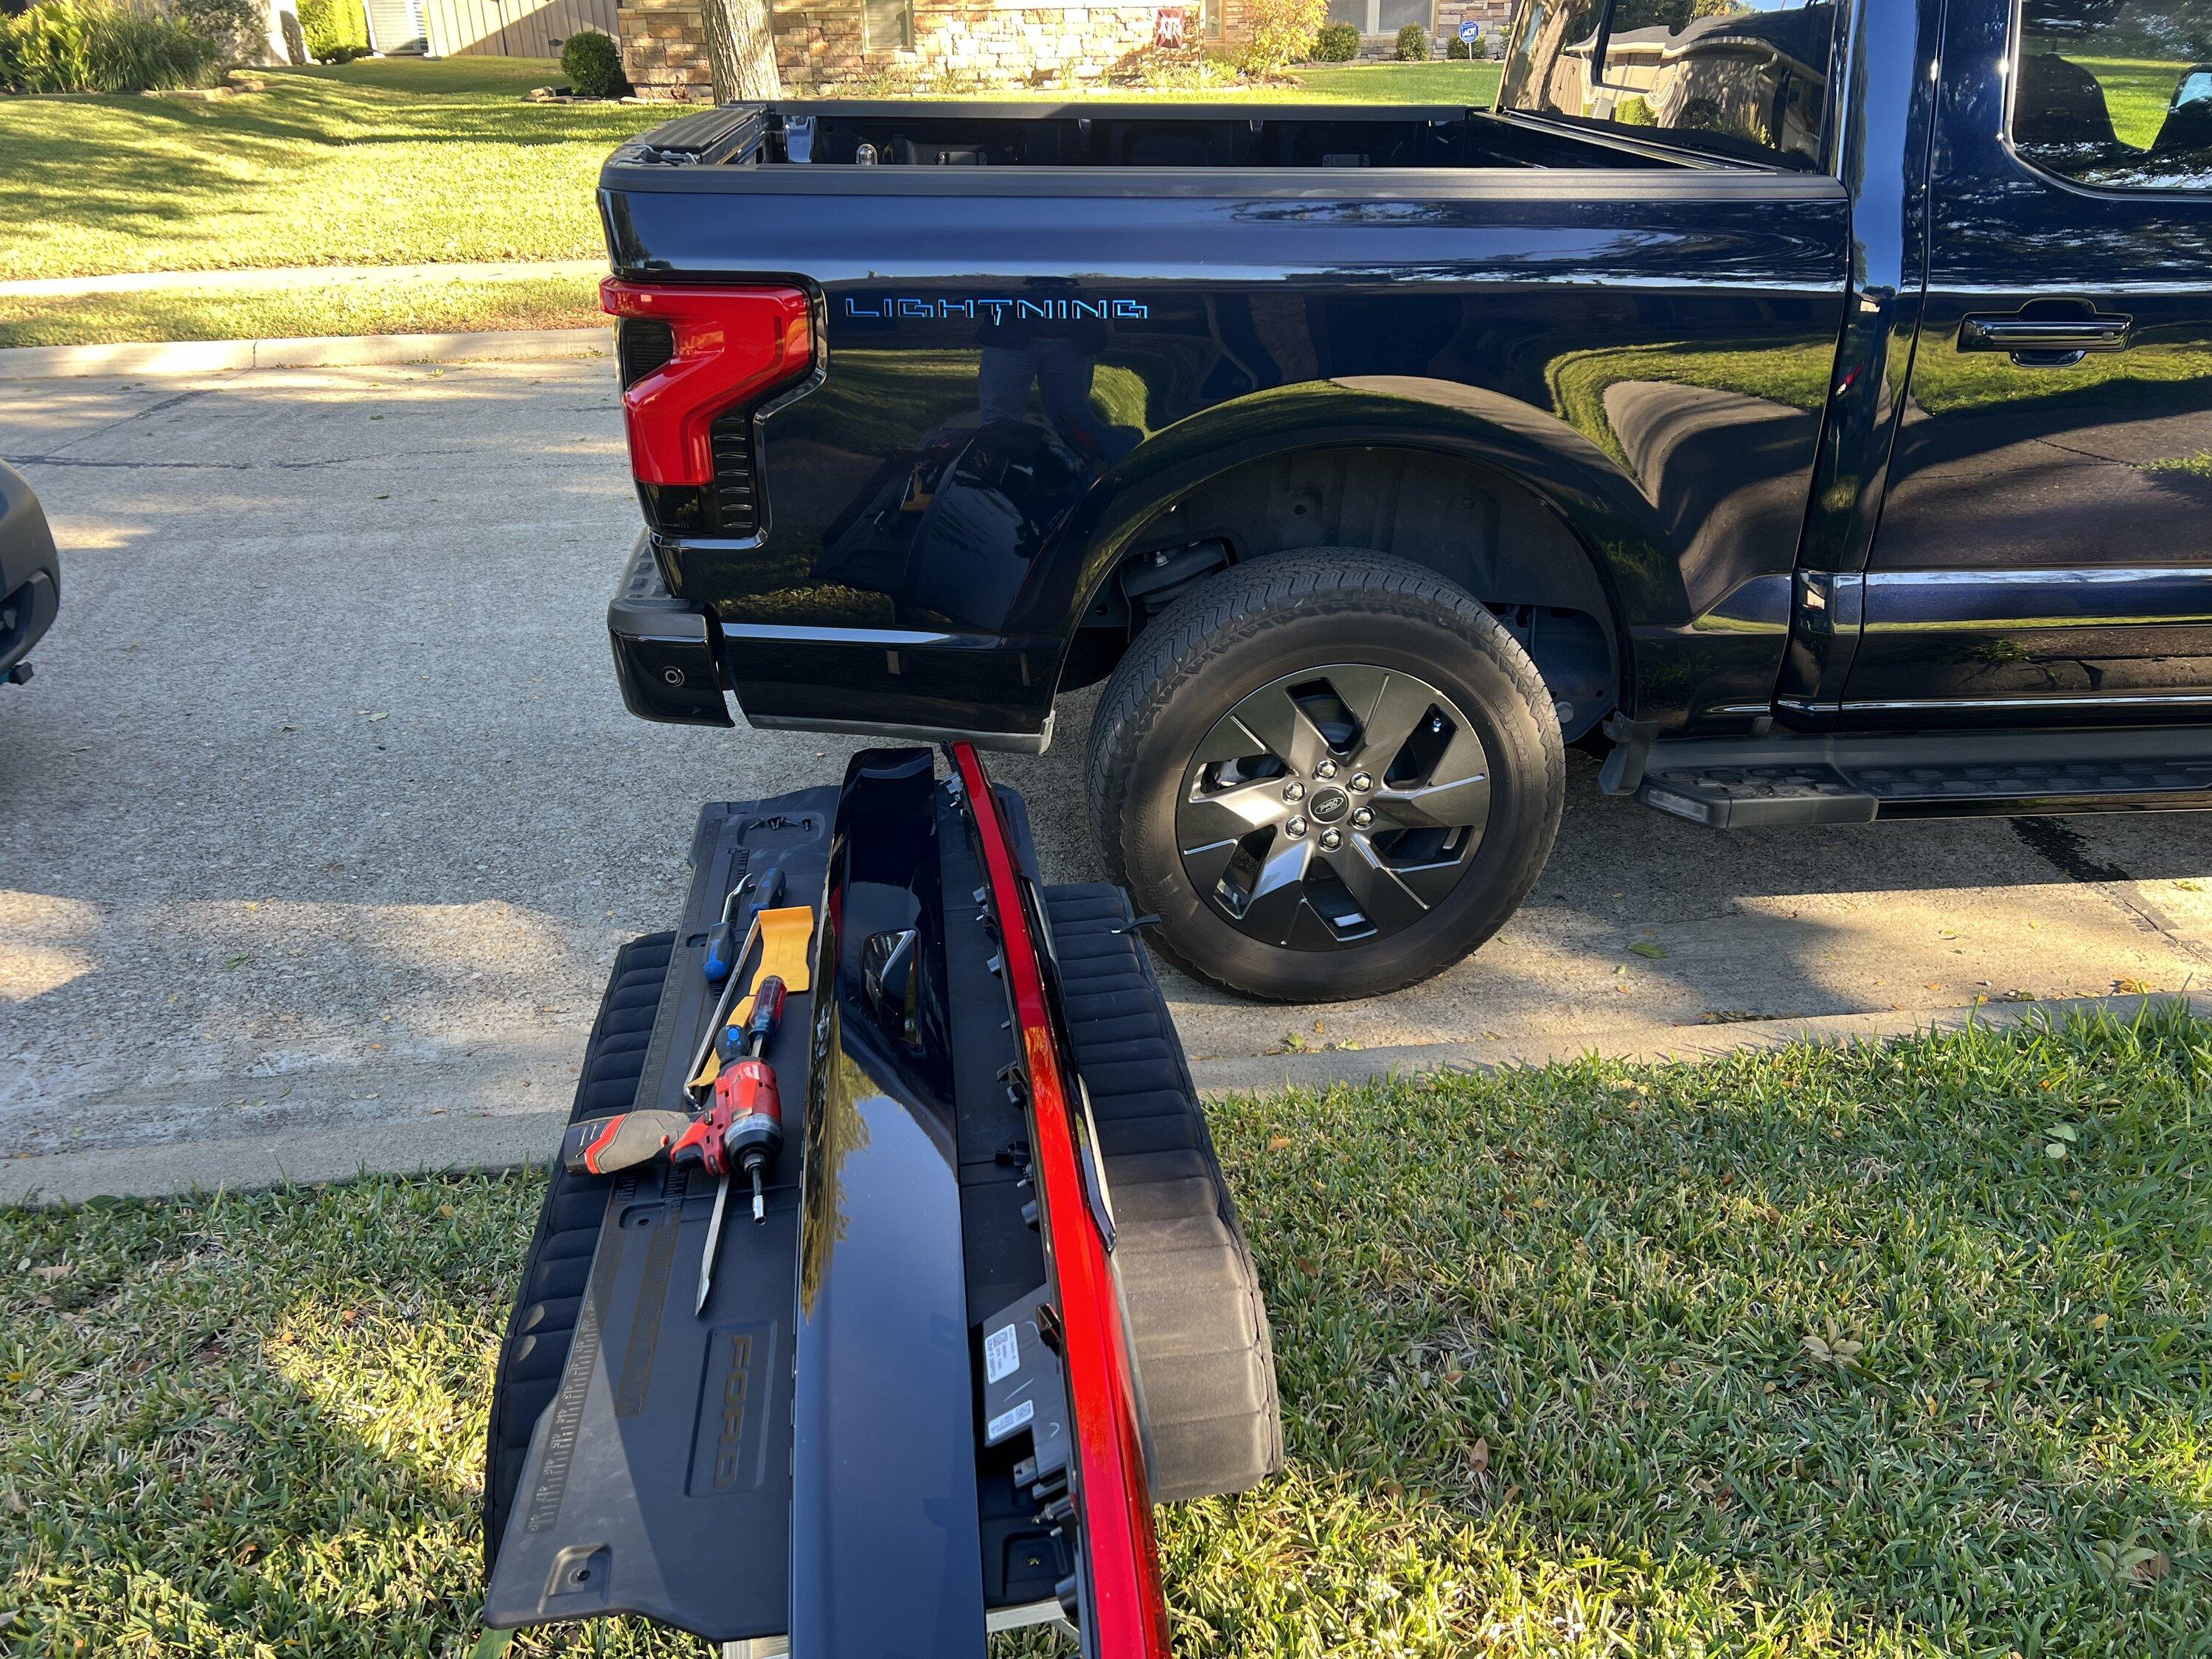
x: 1280, y: 33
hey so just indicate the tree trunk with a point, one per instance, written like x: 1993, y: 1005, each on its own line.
x: 741, y: 50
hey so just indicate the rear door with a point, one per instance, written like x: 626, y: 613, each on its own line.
x: 2046, y: 549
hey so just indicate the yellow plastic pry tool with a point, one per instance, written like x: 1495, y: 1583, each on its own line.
x: 787, y: 937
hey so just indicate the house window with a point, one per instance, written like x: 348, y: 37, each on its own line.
x: 890, y: 25
x: 1209, y: 18
x: 1382, y: 17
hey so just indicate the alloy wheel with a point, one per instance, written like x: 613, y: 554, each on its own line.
x: 1333, y: 807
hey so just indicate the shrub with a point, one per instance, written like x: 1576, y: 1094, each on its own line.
x: 1339, y: 43
x: 592, y: 63
x: 73, y: 46
x: 138, y: 49
x: 46, y: 49
x: 1412, y: 44
x: 1459, y: 49
x: 1173, y: 71
x: 234, y: 28
x: 1279, y: 32
x: 1634, y: 111
x: 335, y: 31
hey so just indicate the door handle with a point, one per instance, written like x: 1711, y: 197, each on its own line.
x: 2037, y: 341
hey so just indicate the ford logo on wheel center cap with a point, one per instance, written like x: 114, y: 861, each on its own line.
x: 1329, y: 805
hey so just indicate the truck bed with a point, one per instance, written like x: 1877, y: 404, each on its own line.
x: 910, y: 133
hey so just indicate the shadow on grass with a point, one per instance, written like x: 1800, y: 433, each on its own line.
x: 245, y: 1425
x: 145, y: 169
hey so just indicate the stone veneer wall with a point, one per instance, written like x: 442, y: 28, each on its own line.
x: 1492, y: 15
x: 821, y: 45
x: 824, y: 46
x: 664, y: 48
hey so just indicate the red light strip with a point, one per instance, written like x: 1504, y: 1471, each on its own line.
x: 730, y: 344
x: 1127, y: 1615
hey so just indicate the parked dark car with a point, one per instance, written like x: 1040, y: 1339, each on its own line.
x: 30, y: 576
x: 1805, y: 407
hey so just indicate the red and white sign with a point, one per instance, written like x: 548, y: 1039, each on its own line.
x: 1170, y: 25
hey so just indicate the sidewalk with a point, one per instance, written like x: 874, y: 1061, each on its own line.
x: 252, y: 279
x: 137, y: 359
x: 480, y: 1123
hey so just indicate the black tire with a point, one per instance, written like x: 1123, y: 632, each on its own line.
x: 1265, y: 623
x: 535, y: 1353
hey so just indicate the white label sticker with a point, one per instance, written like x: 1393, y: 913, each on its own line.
x: 1006, y: 1422
x: 1002, y: 1353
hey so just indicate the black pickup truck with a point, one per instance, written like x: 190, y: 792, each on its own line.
x: 1807, y: 406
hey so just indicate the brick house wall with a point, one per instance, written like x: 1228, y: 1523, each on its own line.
x: 1492, y: 15
x: 821, y: 46
x: 664, y: 48
x: 824, y: 46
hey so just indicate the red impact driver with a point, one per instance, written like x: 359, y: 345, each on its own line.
x: 744, y: 1128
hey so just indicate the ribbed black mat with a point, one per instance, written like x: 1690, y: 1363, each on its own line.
x: 1200, y: 1328
x: 559, y: 1265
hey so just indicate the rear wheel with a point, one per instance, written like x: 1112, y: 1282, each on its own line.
x: 1330, y: 774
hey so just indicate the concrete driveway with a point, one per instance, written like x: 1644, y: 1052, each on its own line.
x: 322, y: 820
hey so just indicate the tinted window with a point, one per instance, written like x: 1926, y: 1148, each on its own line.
x: 2116, y: 92
x: 1744, y: 77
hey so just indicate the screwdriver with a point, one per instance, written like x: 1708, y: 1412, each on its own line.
x: 744, y: 1128
x: 722, y: 952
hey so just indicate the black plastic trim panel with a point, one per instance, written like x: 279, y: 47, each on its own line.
x: 664, y: 648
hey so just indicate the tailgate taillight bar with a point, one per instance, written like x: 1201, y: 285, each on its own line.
x: 1123, y: 1614
x: 727, y: 346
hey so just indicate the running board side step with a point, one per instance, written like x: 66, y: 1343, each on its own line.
x: 1754, y: 782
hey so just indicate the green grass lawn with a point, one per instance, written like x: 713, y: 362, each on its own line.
x: 384, y: 162
x: 376, y: 163
x: 380, y: 162
x: 1474, y: 84
x: 1890, y: 1352
x: 2136, y: 93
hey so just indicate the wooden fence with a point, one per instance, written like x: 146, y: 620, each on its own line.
x: 498, y: 28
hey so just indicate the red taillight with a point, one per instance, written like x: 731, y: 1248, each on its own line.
x: 1125, y: 1616
x: 731, y: 344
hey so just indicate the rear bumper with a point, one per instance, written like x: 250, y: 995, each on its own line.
x: 675, y: 662
x: 30, y: 571
x: 25, y: 616
x: 664, y: 649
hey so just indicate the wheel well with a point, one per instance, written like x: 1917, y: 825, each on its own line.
x: 1480, y: 527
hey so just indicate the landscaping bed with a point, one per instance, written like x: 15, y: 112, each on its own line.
x: 1895, y: 1350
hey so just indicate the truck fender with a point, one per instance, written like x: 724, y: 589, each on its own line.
x: 1597, y: 501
